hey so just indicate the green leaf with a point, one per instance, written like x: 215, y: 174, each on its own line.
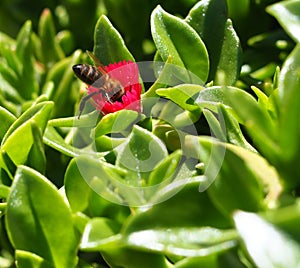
x: 9, y: 166
x: 140, y: 154
x: 166, y: 169
x: 258, y: 122
x: 187, y: 112
x: 109, y: 46
x: 7, y: 45
x: 97, y: 230
x: 18, y: 139
x: 185, y: 242
x: 34, y: 224
x: 176, y: 116
x: 106, y: 143
x: 232, y: 129
x: 10, y: 76
x: 287, y: 14
x: 289, y: 98
x: 76, y: 188
x: 229, y: 65
x: 51, y: 51
x: 7, y: 120
x: 53, y: 139
x: 36, y: 157
x: 24, y: 40
x: 80, y: 190
x: 87, y: 120
x: 174, y: 37
x: 62, y: 75
x: 31, y: 260
x: 183, y: 95
x: 103, y: 178
x: 194, y: 262
x: 4, y: 191
x: 113, y: 249
x: 223, y: 46
x: 272, y: 249
x: 117, y: 122
x: 24, y: 51
x: 125, y: 257
x: 65, y: 40
x: 286, y: 218
x: 165, y: 78
x: 236, y: 176
x: 210, y: 98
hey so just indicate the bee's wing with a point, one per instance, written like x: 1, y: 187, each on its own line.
x: 96, y: 61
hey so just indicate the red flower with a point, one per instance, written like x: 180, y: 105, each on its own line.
x: 128, y: 75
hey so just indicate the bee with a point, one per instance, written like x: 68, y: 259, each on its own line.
x: 111, y: 89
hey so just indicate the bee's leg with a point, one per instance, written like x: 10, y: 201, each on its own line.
x: 105, y: 95
x: 83, y: 102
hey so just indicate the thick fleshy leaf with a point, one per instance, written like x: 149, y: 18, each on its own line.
x: 105, y: 143
x: 267, y: 245
x: 232, y: 129
x: 61, y: 74
x: 24, y: 52
x: 223, y: 45
x: 10, y: 78
x: 175, y: 241
x: 4, y: 191
x: 116, y: 122
x: 166, y: 169
x: 287, y: 14
x: 181, y: 194
x: 109, y: 47
x: 185, y: 242
x: 229, y: 65
x: 36, y: 157
x: 99, y: 230
x: 286, y: 218
x: 165, y: 77
x: 174, y: 37
x: 104, y: 179
x: 141, y: 152
x: 125, y: 257
x: 79, y: 188
x: 9, y: 166
x: 182, y: 111
x: 31, y: 260
x: 210, y: 98
x: 76, y: 188
x: 214, y: 125
x: 7, y: 120
x: 176, y: 116
x: 51, y: 52
x: 183, y: 95
x: 36, y: 225
x: 257, y: 120
x: 209, y: 261
x: 6, y: 47
x: 53, y: 139
x: 289, y: 98
x: 85, y: 121
x: 18, y: 139
x: 236, y: 176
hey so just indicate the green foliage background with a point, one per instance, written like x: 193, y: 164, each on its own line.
x: 236, y: 203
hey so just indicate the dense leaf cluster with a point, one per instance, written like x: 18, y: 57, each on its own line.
x: 206, y: 176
